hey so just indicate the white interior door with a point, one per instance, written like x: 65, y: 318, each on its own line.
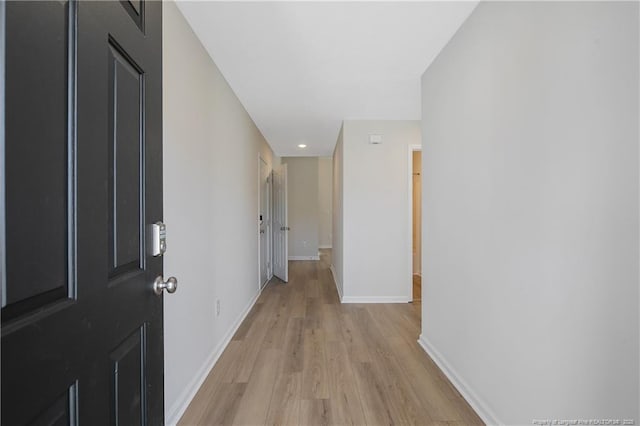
x: 268, y: 209
x: 280, y: 224
x: 264, y: 218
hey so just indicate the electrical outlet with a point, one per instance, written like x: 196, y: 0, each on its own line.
x: 218, y: 307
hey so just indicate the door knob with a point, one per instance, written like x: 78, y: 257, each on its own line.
x: 159, y: 285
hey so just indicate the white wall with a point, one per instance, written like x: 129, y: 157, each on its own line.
x: 337, y: 216
x: 376, y: 211
x: 530, y: 161
x: 325, y: 200
x: 210, y: 153
x: 304, y: 217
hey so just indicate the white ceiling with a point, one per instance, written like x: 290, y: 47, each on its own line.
x: 300, y: 68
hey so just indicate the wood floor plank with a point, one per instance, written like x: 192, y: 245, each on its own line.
x: 242, y: 331
x: 313, y: 313
x: 343, y: 392
x: 227, y: 399
x: 353, y: 338
x: 284, y: 407
x: 242, y: 366
x: 372, y: 395
x: 436, y: 395
x: 330, y: 314
x: 315, y: 380
x: 274, y: 336
x: 328, y: 292
x: 202, y: 402
x: 315, y: 412
x: 401, y: 398
x: 254, y: 405
x: 293, y: 347
x: 297, y: 300
x: 303, y: 358
x: 312, y: 289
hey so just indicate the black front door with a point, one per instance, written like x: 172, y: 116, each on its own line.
x: 82, y: 182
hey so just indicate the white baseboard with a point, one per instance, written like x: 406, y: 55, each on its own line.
x: 375, y: 299
x: 179, y: 407
x: 304, y: 257
x: 325, y: 247
x: 479, y: 406
x: 335, y: 281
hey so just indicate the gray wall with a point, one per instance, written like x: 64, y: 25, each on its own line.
x: 336, y: 223
x: 377, y: 252
x: 530, y: 159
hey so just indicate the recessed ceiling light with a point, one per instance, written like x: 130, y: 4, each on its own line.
x: 302, y: 145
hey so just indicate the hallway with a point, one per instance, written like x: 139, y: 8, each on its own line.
x: 302, y: 358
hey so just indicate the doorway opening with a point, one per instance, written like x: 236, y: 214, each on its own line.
x: 416, y: 223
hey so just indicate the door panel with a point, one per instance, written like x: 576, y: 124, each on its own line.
x: 82, y: 327
x: 280, y: 224
x: 265, y: 221
x: 126, y: 86
x: 37, y: 108
x: 61, y: 412
x: 135, y: 9
x: 128, y: 390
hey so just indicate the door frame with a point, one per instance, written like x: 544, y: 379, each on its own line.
x: 412, y: 148
x: 268, y: 235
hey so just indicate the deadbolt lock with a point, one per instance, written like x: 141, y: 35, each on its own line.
x: 158, y: 239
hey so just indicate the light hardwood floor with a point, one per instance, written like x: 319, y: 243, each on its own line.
x: 302, y: 358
